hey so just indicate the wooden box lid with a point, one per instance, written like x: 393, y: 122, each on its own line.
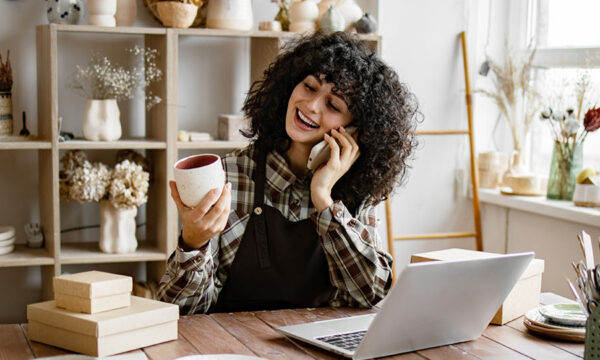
x: 536, y: 266
x: 92, y: 284
x: 142, y: 313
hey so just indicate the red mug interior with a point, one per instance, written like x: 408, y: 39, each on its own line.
x: 196, y: 162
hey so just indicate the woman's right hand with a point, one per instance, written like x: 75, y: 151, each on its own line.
x: 207, y: 219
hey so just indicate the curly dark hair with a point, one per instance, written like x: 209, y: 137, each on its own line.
x: 384, y: 110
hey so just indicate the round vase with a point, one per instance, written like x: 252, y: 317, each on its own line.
x: 301, y: 11
x: 566, y: 164
x: 6, y: 117
x: 229, y: 14
x: 102, y: 120
x: 324, y: 6
x: 126, y: 12
x: 350, y: 11
x: 117, y: 228
x: 63, y: 11
x: 102, y: 12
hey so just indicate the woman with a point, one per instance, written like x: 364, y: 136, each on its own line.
x: 282, y: 236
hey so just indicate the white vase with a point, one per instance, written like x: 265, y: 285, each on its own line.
x: 102, y: 12
x: 301, y: 11
x: 229, y: 14
x: 117, y: 228
x: 126, y: 12
x: 102, y: 120
x: 350, y: 11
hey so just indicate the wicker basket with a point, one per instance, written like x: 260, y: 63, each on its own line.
x: 176, y: 14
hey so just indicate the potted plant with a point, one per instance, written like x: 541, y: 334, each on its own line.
x: 120, y: 191
x: 104, y: 82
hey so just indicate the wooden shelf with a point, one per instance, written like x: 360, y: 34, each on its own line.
x: 18, y: 144
x: 119, y: 144
x: 110, y: 30
x: 24, y: 256
x: 90, y: 253
x: 213, y: 144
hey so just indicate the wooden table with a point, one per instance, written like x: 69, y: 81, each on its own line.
x: 253, y: 333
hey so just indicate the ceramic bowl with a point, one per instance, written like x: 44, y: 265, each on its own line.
x: 175, y: 14
x: 196, y: 175
x: 7, y: 242
x: 6, y: 249
x: 6, y: 232
x: 586, y: 195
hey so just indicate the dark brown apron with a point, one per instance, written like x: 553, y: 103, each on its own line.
x: 279, y: 263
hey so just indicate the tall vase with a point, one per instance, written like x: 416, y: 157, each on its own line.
x: 6, y: 117
x: 229, y: 14
x: 126, y: 12
x: 102, y: 120
x: 566, y: 164
x: 117, y: 228
x: 102, y: 12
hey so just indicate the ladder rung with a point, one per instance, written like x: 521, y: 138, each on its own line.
x: 443, y: 132
x: 436, y: 236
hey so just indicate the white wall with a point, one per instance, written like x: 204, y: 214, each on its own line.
x: 420, y: 40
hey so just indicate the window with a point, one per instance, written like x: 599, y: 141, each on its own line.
x: 568, y: 47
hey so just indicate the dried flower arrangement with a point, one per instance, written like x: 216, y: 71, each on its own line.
x: 283, y: 15
x: 514, y: 92
x: 102, y: 79
x: 6, y: 80
x: 125, y: 186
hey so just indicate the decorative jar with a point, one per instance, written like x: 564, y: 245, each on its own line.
x: 566, y: 164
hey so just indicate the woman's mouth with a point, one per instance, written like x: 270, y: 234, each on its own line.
x: 305, y: 121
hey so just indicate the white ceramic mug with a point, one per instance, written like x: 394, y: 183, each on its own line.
x: 196, y: 175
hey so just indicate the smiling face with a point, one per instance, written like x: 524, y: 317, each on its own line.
x: 313, y: 110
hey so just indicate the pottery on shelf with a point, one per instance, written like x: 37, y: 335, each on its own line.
x: 6, y: 117
x: 303, y: 16
x: 102, y: 120
x: 324, y: 6
x: 102, y: 12
x: 350, y: 11
x: 230, y: 14
x: 175, y: 14
x: 117, y: 228
x: 587, y: 195
x: 63, y: 11
x: 332, y: 20
x: 366, y: 25
x: 126, y: 12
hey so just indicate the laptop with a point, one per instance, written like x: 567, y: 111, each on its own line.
x: 431, y: 304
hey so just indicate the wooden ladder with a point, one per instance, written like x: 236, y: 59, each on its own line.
x: 474, y: 178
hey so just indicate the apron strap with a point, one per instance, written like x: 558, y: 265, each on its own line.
x: 260, y: 228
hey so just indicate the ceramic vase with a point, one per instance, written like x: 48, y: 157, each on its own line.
x: 350, y: 11
x: 102, y: 121
x: 332, y: 21
x: 63, y: 11
x: 126, y: 12
x: 566, y: 164
x: 102, y: 12
x: 303, y: 16
x: 6, y: 117
x: 175, y: 14
x: 117, y: 228
x: 324, y: 6
x: 229, y: 14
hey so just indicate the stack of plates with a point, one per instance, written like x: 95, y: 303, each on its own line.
x: 7, y: 239
x: 559, y: 321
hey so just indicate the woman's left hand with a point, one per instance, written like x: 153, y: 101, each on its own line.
x: 341, y: 159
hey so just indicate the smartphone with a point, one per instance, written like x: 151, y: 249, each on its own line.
x: 320, y: 152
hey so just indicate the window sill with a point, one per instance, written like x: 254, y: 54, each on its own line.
x: 564, y: 210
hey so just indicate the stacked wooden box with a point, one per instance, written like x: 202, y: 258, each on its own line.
x: 94, y: 313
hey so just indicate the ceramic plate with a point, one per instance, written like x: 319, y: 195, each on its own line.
x: 220, y: 357
x: 538, y: 319
x: 7, y: 242
x: 564, y: 314
x: 7, y: 232
x: 6, y: 249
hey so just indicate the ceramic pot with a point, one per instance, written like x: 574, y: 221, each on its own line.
x: 63, y: 11
x: 102, y: 120
x: 196, y: 175
x: 117, y: 228
x: 303, y: 11
x: 366, y: 25
x: 587, y: 195
x: 332, y: 21
x: 175, y: 14
x: 324, y: 6
x: 229, y: 14
x: 126, y: 12
x: 102, y: 12
x: 6, y: 117
x: 350, y: 11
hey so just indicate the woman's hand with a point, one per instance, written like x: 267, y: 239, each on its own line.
x: 339, y: 163
x: 205, y: 220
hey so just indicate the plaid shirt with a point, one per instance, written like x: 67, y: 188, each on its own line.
x: 358, y: 267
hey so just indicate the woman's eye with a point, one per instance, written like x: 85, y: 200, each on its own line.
x: 333, y: 106
x: 310, y: 88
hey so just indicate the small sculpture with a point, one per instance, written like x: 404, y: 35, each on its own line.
x: 366, y: 25
x: 24, y: 131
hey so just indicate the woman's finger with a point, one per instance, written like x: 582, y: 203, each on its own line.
x: 175, y: 195
x: 223, y: 204
x: 205, y: 204
x: 335, y: 149
x: 346, y: 146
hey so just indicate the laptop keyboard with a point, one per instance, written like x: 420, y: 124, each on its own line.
x: 347, y: 341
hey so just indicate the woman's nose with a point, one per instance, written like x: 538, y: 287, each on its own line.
x: 313, y: 103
